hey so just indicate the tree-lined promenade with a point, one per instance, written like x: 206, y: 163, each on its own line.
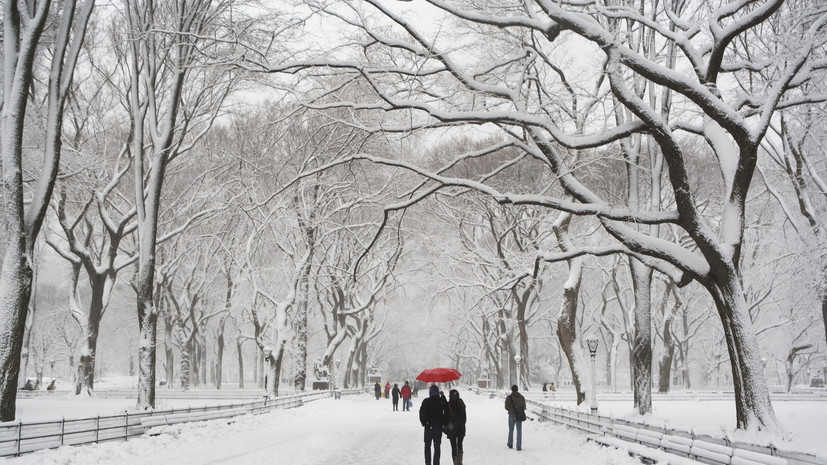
x: 522, y: 176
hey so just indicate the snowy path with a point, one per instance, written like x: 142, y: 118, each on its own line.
x: 353, y: 430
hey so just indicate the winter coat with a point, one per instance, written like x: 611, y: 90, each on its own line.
x: 514, y: 400
x: 406, y: 392
x: 455, y: 427
x: 377, y: 388
x: 433, y: 412
x: 395, y: 393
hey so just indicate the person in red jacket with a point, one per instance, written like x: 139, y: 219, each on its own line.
x: 406, y: 396
x: 387, y: 390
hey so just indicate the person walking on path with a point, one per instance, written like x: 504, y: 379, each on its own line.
x: 406, y: 397
x: 515, y: 405
x: 395, y: 395
x: 377, y: 389
x: 455, y: 428
x: 387, y: 390
x: 432, y: 416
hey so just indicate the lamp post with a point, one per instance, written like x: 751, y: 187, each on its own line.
x: 518, y: 359
x: 592, y: 343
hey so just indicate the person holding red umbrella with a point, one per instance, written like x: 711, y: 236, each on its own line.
x: 433, y: 416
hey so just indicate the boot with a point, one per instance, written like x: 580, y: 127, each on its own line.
x: 459, y: 458
x: 455, y: 460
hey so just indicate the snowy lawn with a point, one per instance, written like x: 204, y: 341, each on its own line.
x: 69, y: 406
x: 353, y: 430
x: 805, y: 422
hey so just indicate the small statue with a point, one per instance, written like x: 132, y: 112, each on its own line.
x: 320, y: 370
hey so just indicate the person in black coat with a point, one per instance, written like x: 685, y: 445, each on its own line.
x: 433, y: 416
x: 377, y: 389
x: 395, y: 395
x: 455, y: 428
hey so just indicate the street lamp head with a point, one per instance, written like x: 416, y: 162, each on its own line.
x: 592, y: 343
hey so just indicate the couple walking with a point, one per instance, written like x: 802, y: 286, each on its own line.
x: 439, y: 415
x: 404, y: 393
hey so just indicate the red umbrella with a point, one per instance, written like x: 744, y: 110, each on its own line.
x: 439, y: 375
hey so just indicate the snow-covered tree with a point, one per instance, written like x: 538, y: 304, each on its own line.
x: 24, y: 28
x: 174, y: 99
x: 441, y: 81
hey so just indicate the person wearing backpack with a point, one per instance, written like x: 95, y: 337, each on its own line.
x: 515, y: 405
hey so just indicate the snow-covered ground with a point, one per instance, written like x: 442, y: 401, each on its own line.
x: 360, y: 429
x: 804, y: 422
x: 353, y: 430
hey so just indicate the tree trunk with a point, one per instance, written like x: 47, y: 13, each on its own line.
x: 824, y: 310
x: 274, y: 361
x: 240, y: 363
x: 27, y: 335
x: 15, y: 285
x: 16, y: 274
x: 147, y: 320
x: 185, y: 368
x: 351, y: 355
x: 522, y: 331
x: 567, y: 326
x: 612, y: 361
x: 202, y: 346
x: 219, y: 362
x: 300, y: 377
x: 665, y: 364
x: 753, y: 408
x: 169, y: 354
x: 86, y: 368
x: 147, y: 323
x: 642, y: 346
x: 363, y: 365
x: 788, y: 379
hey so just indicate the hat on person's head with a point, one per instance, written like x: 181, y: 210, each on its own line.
x: 514, y: 388
x: 433, y: 391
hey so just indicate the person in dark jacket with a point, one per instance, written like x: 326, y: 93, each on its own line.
x: 395, y: 395
x: 377, y: 389
x: 514, y: 404
x: 432, y: 415
x: 455, y: 428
